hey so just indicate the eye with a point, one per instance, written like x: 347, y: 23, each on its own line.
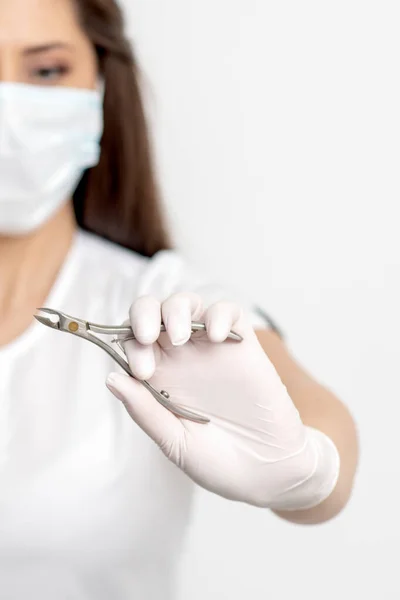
x: 50, y: 74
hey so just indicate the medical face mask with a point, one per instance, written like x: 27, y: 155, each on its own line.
x: 48, y: 137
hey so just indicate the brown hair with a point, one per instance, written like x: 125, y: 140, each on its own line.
x: 119, y: 198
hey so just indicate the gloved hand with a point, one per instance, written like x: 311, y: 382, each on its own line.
x: 255, y: 449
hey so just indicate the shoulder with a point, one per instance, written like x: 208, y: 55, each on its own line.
x: 117, y: 276
x: 157, y: 275
x: 102, y: 261
x: 111, y: 277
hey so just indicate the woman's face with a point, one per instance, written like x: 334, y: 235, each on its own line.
x: 42, y: 43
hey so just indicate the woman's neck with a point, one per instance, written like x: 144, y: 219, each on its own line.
x: 28, y: 268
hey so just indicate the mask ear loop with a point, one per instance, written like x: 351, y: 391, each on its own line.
x: 101, y: 88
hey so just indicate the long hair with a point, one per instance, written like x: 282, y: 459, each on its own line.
x: 119, y: 198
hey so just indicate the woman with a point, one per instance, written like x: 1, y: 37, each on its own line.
x: 90, y: 508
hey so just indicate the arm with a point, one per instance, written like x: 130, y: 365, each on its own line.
x: 318, y: 408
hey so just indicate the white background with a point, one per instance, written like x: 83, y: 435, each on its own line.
x: 278, y: 138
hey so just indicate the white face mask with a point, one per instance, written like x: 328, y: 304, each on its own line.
x: 48, y: 137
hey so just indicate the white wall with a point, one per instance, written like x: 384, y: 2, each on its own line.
x: 278, y: 135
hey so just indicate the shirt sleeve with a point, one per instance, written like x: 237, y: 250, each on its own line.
x: 168, y: 273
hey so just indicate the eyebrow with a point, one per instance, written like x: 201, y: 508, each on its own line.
x: 46, y: 48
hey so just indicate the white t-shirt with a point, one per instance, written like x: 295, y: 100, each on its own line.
x: 90, y: 509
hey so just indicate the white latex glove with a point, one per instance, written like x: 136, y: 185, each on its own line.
x: 255, y: 448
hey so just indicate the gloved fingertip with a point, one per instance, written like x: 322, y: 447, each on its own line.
x: 180, y: 341
x: 217, y: 335
x: 116, y: 383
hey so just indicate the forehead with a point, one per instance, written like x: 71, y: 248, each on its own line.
x: 41, y: 20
